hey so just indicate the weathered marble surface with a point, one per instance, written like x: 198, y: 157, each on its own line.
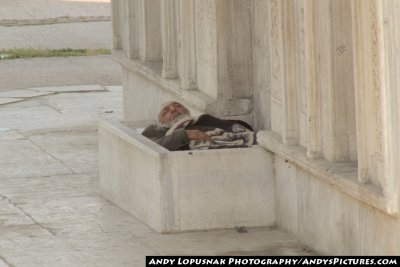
x: 51, y: 211
x: 7, y: 100
x: 322, y: 76
x: 26, y: 93
x: 181, y: 190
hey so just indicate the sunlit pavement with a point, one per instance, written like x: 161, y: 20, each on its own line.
x: 51, y: 210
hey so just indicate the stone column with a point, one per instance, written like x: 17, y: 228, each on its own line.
x: 115, y: 20
x: 329, y: 72
x: 290, y: 133
x: 150, y: 30
x: 133, y: 29
x: 314, y: 109
x: 169, y: 44
x: 187, y: 72
x: 369, y: 80
x: 391, y: 102
x: 224, y: 55
x: 336, y: 79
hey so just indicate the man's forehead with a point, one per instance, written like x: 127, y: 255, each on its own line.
x: 169, y: 103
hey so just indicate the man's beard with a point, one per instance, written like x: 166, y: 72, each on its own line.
x: 175, y: 119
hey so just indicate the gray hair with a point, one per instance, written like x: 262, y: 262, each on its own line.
x: 170, y: 123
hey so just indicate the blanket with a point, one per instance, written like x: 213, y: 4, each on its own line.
x: 239, y: 137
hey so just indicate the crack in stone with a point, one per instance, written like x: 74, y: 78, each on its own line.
x: 45, y: 151
x: 101, y: 229
x: 28, y: 215
x: 9, y: 264
x: 143, y: 243
x: 48, y: 21
x: 45, y: 102
x: 52, y: 175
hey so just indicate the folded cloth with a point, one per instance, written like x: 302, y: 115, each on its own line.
x: 239, y: 137
x: 182, y: 122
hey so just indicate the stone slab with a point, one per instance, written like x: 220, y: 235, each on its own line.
x: 7, y: 134
x: 23, y: 94
x: 77, y: 88
x: 3, y: 264
x: 79, y: 106
x: 114, y: 88
x: 51, y: 219
x: 84, y: 224
x: 56, y: 71
x: 28, y: 114
x: 47, y: 9
x: 4, y: 101
x: 62, y: 110
x: 67, y: 146
x: 254, y: 242
x: 58, y: 36
x: 64, y: 219
x: 22, y: 158
x: 11, y: 215
x: 173, y: 191
x: 287, y: 200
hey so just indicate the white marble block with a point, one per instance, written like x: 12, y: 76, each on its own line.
x: 185, y: 190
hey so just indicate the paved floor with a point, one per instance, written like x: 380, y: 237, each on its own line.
x: 51, y: 212
x: 56, y: 36
x: 13, y: 12
x: 37, y: 72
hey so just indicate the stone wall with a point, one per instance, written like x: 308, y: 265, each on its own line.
x: 318, y: 79
x: 328, y: 105
x: 196, y: 51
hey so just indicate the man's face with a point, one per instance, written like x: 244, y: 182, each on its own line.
x: 171, y: 111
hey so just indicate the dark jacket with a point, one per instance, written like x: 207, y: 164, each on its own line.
x: 179, y: 140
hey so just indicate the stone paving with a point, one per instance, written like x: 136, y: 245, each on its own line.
x: 51, y: 212
x: 56, y: 24
x: 90, y: 35
x: 37, y: 72
x: 31, y: 12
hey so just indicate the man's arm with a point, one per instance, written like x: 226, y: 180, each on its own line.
x: 174, y: 141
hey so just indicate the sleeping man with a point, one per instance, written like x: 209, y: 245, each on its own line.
x: 178, y: 130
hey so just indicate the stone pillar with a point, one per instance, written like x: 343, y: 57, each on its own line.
x: 187, y: 42
x: 261, y: 64
x: 376, y: 34
x: 224, y: 55
x: 169, y: 44
x: 133, y: 29
x: 369, y: 79
x: 391, y: 102
x: 290, y: 132
x: 116, y: 23
x: 314, y: 109
x: 336, y: 78
x: 150, y: 30
x: 329, y: 76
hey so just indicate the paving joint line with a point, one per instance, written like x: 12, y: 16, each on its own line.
x: 50, y: 21
x: 45, y: 102
x: 9, y: 264
x: 48, y: 176
x: 143, y: 243
x: 51, y: 93
x: 45, y: 151
x: 27, y: 215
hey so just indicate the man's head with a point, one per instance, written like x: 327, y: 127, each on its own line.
x: 171, y: 112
